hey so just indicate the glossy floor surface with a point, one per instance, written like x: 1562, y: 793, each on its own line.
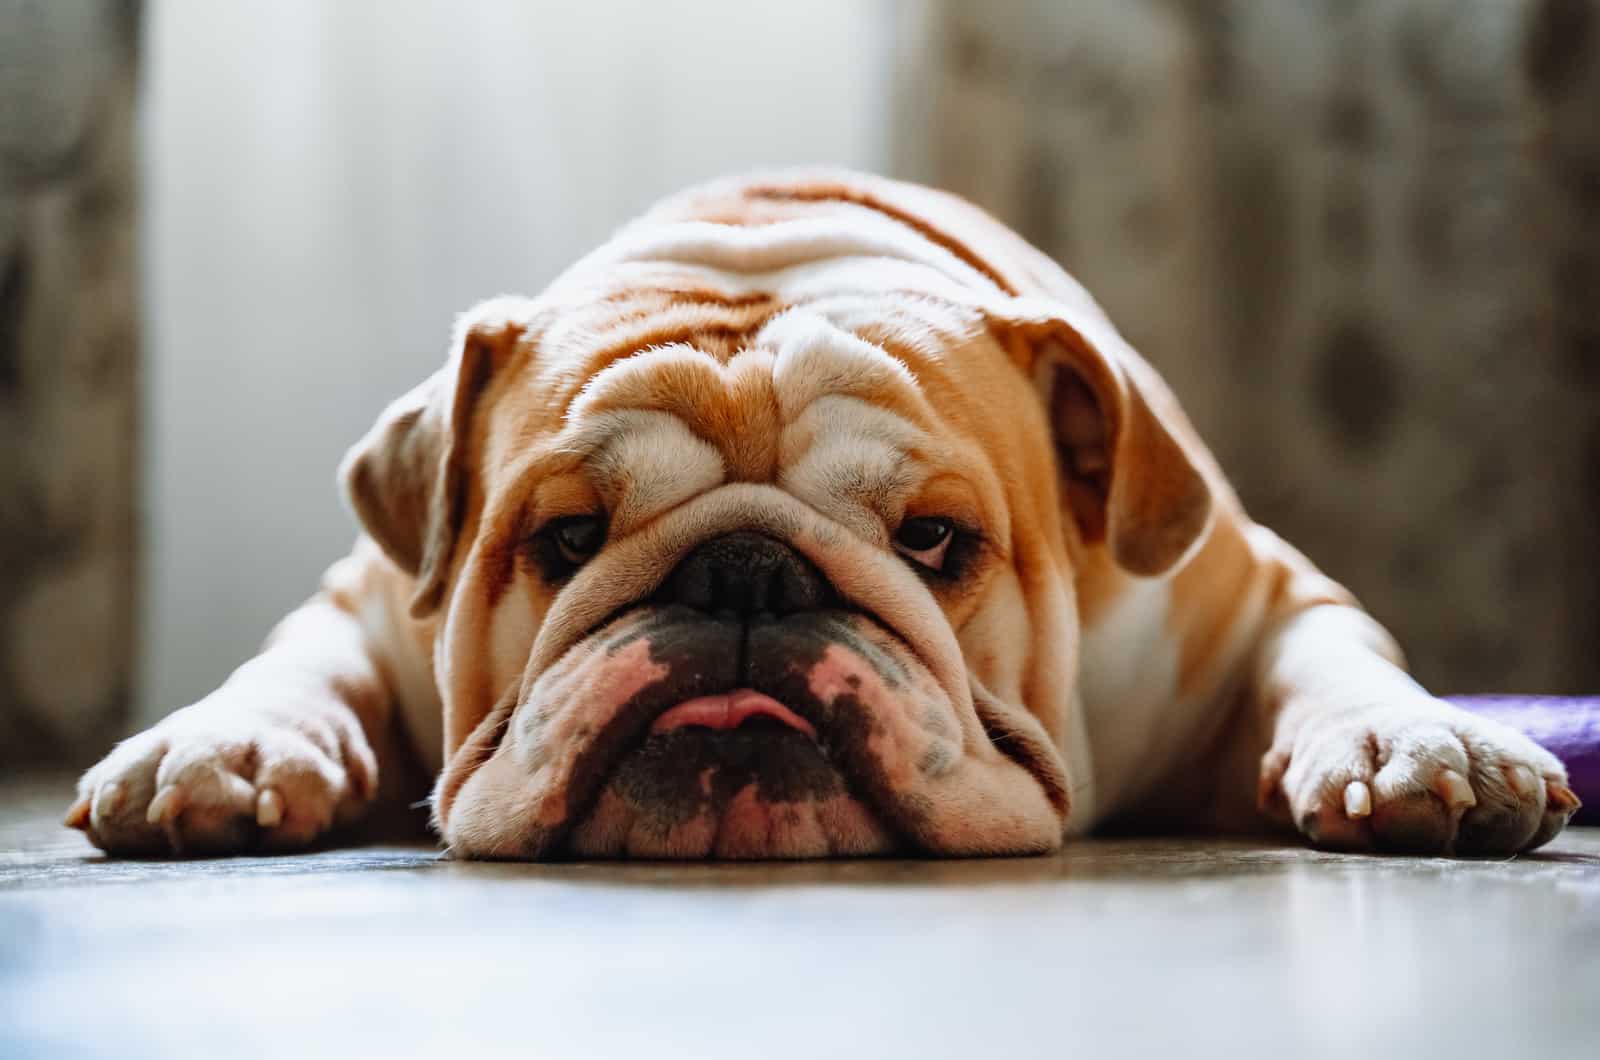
x: 1160, y: 948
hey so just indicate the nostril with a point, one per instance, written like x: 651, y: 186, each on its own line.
x: 795, y: 589
x: 692, y: 586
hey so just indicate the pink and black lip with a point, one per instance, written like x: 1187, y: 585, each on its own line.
x: 736, y: 627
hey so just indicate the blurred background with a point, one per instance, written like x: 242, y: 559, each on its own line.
x: 1361, y: 239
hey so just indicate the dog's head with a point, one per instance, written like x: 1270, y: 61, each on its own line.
x: 758, y: 535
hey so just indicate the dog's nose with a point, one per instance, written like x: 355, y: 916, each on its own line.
x: 746, y: 574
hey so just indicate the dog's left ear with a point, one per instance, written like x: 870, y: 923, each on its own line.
x: 1126, y: 479
x: 407, y: 479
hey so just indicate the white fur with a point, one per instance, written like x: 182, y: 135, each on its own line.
x: 650, y: 461
x: 1128, y: 680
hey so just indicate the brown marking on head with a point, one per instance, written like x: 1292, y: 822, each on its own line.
x: 710, y: 296
x: 857, y: 196
x: 719, y: 325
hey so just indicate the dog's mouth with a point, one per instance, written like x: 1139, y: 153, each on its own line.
x: 742, y: 745
x: 698, y: 792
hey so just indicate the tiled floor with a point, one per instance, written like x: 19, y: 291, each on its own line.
x: 1117, y: 948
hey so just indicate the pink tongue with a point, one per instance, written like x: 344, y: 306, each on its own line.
x: 729, y: 711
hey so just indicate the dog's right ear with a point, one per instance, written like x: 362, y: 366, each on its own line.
x: 407, y: 479
x: 1127, y: 479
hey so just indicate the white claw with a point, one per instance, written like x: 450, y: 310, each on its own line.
x: 1357, y: 800
x: 1453, y: 788
x: 174, y: 834
x: 269, y: 808
x: 78, y: 815
x: 107, y: 801
x: 1562, y: 798
x: 1522, y: 782
x: 166, y: 806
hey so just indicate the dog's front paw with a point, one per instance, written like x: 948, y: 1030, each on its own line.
x: 1424, y: 778
x: 214, y: 781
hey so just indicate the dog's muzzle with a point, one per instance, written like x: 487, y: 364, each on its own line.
x: 737, y: 741
x: 754, y: 702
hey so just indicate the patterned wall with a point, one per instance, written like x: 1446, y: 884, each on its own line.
x: 68, y: 375
x: 1362, y: 240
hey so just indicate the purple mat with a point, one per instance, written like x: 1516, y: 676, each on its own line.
x: 1568, y: 725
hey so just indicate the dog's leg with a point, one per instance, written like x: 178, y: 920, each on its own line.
x: 275, y: 757
x: 1361, y: 757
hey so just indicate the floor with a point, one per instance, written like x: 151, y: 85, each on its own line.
x: 1115, y: 948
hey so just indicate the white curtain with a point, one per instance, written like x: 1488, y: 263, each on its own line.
x: 326, y: 184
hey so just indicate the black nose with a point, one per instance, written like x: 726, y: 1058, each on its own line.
x: 747, y: 574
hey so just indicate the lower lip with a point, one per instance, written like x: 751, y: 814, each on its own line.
x: 729, y: 710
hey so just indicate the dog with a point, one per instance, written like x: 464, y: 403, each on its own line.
x: 814, y: 515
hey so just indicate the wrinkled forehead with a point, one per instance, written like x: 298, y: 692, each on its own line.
x: 844, y: 391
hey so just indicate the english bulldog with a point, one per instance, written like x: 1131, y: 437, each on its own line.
x: 814, y: 515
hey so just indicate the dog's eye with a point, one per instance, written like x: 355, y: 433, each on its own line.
x: 925, y: 540
x: 563, y: 545
x: 578, y: 537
